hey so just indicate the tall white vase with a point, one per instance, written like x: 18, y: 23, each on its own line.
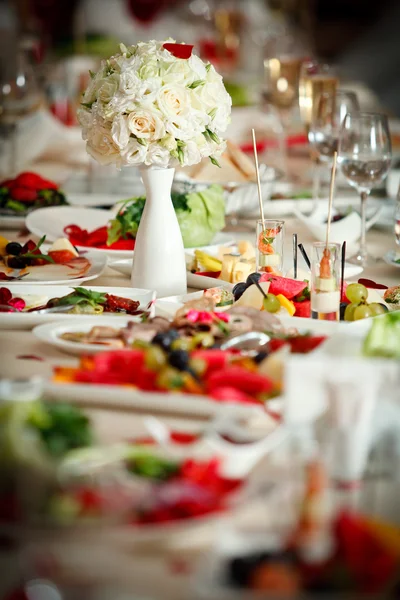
x: 159, y: 256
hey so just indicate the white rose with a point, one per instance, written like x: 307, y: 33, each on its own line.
x: 134, y: 153
x: 191, y: 153
x: 209, y: 96
x: 144, y: 123
x: 101, y: 146
x: 108, y: 88
x: 157, y: 156
x: 148, y: 69
x: 149, y: 91
x: 221, y: 118
x: 178, y: 72
x: 129, y: 83
x: 213, y: 76
x: 120, y: 132
x: 169, y: 142
x: 173, y: 100
x: 118, y: 104
x: 198, y: 67
x: 180, y: 128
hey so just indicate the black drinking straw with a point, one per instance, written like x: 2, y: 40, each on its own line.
x: 304, y: 255
x: 342, y: 269
x: 295, y: 255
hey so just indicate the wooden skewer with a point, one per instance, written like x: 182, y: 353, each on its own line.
x: 331, y: 191
x: 258, y: 178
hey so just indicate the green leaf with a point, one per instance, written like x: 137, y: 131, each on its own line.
x: 19, y: 207
x: 208, y: 67
x: 212, y: 113
x: 213, y: 136
x: 82, y: 296
x: 196, y: 84
x: 141, y: 141
x: 214, y: 161
x: 397, y: 261
x: 92, y: 75
x: 45, y: 257
x: 87, y: 104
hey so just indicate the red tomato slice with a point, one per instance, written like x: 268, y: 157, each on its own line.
x: 61, y: 256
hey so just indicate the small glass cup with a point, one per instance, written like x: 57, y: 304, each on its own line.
x: 269, y: 246
x: 397, y: 219
x: 325, y: 281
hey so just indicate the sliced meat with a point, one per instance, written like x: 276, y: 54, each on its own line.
x: 99, y: 332
x: 261, y: 320
x: 144, y: 331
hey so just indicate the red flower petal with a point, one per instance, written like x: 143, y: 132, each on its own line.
x: 179, y: 50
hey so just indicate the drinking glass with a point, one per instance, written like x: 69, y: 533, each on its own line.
x: 327, y: 119
x: 397, y: 218
x: 325, y: 281
x: 269, y: 246
x: 364, y: 157
x: 282, y: 65
x: 316, y: 80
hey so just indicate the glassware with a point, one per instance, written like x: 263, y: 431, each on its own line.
x: 327, y: 119
x: 269, y: 246
x: 364, y: 157
x: 282, y: 65
x: 325, y: 281
x: 316, y: 80
x: 397, y: 219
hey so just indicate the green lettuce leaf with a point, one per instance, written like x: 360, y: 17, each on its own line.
x: 200, y: 215
x: 383, y: 339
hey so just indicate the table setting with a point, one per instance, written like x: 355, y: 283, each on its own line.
x: 199, y: 346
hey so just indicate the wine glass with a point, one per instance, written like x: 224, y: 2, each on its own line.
x: 316, y: 80
x: 364, y: 157
x: 323, y: 135
x: 397, y: 218
x: 282, y: 64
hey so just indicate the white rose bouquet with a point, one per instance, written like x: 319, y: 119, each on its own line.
x: 157, y: 104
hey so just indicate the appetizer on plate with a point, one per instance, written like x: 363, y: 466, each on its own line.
x: 60, y: 260
x: 200, y: 216
x: 184, y: 354
x: 80, y: 301
x: 28, y: 191
x: 232, y: 263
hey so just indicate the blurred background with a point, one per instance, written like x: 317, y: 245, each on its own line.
x: 48, y: 46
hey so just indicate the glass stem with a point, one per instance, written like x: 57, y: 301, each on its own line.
x: 316, y: 179
x: 363, y: 241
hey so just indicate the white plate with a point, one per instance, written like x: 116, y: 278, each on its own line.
x: 50, y: 332
x: 11, y: 222
x: 28, y: 320
x: 131, y: 398
x: 98, y: 264
x: 391, y: 257
x: 93, y: 199
x: 52, y: 221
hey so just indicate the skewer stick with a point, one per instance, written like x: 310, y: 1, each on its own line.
x: 295, y: 255
x: 331, y: 191
x: 343, y: 262
x: 258, y: 178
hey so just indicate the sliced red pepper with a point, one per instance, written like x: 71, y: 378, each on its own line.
x: 241, y: 379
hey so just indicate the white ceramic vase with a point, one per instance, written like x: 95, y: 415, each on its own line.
x: 159, y: 256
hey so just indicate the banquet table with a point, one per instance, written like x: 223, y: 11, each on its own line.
x: 157, y: 572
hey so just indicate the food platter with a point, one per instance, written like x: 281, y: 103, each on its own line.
x: 28, y: 320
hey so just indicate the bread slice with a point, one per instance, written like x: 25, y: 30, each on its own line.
x: 241, y: 160
x: 228, y: 173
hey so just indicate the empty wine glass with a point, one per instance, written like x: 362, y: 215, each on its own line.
x: 282, y: 64
x: 323, y: 135
x: 364, y: 157
x: 316, y: 80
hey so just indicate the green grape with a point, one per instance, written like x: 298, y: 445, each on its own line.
x: 204, y: 340
x: 198, y: 365
x: 155, y: 357
x: 349, y: 312
x: 377, y: 309
x: 356, y: 292
x: 362, y: 312
x: 271, y: 303
x: 182, y: 344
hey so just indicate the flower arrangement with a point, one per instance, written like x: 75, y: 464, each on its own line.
x: 157, y: 104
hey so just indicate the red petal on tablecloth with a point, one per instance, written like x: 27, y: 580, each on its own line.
x: 179, y: 50
x: 30, y: 357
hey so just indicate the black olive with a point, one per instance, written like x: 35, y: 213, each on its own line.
x: 343, y: 306
x: 13, y: 248
x: 16, y: 262
x: 239, y: 289
x: 252, y: 278
x: 179, y: 359
x: 166, y: 338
